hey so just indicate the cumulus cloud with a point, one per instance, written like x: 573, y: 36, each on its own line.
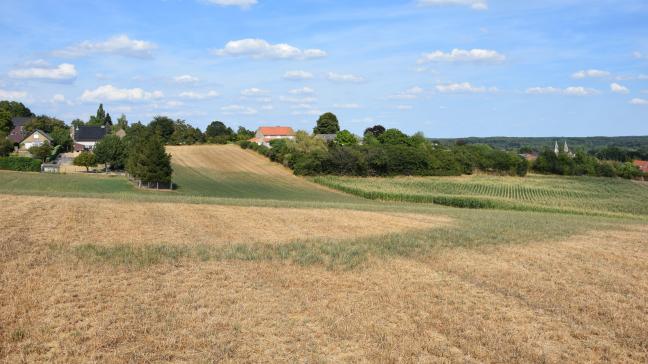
x: 337, y: 77
x: 590, y: 74
x: 121, y: 45
x: 409, y: 94
x: 186, y: 79
x: 474, y: 4
x: 254, y: 92
x: 638, y: 101
x: 619, y: 89
x: 297, y: 75
x: 243, y: 4
x: 111, y: 93
x: 298, y: 100
x: 63, y: 72
x: 347, y: 106
x: 261, y: 49
x: 198, y: 95
x: 570, y: 91
x: 302, y: 91
x: 462, y: 55
x: 238, y: 110
x: 12, y: 95
x: 463, y: 87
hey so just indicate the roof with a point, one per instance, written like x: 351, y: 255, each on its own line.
x: 89, y: 133
x: 41, y: 133
x: 643, y: 165
x: 20, y: 120
x: 276, y: 130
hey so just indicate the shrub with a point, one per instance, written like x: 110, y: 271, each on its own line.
x: 22, y: 164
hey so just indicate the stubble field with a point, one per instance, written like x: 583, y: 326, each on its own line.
x: 125, y: 277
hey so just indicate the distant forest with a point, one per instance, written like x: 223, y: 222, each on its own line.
x: 539, y: 144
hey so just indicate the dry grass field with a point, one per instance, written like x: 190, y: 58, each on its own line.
x: 87, y: 280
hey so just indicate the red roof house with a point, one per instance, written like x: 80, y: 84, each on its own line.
x: 265, y: 134
x: 643, y: 165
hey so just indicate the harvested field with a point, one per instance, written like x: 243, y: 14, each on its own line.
x: 101, y: 221
x: 582, y: 299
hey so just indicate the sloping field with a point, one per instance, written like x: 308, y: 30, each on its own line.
x: 229, y: 171
x: 586, y: 195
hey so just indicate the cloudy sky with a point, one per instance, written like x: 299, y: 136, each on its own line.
x: 449, y: 68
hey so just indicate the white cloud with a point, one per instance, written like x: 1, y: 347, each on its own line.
x: 120, y: 45
x: 462, y: 55
x: 111, y: 93
x: 474, y: 4
x: 58, y: 99
x: 590, y: 73
x: 253, y: 92
x: 302, y: 91
x: 238, y: 110
x: 639, y: 55
x: 619, y: 89
x: 463, y: 87
x: 243, y: 4
x: 409, y: 94
x: 199, y: 96
x: 267, y: 107
x: 186, y: 79
x: 403, y: 107
x: 12, y: 95
x: 259, y: 49
x: 297, y: 75
x: 302, y: 106
x: 313, y: 112
x: 298, y: 100
x: 337, y: 77
x: 63, y: 72
x: 638, y: 101
x: 347, y: 106
x: 570, y: 91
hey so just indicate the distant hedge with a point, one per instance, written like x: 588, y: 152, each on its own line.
x: 22, y: 164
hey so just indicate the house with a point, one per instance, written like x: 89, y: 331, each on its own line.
x: 643, y: 165
x: 86, y: 137
x: 18, y: 133
x: 328, y: 138
x: 531, y: 157
x: 35, y: 139
x: 265, y: 134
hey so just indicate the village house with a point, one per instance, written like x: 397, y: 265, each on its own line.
x: 643, y: 165
x: 35, y: 139
x: 265, y: 134
x: 18, y: 133
x: 86, y: 137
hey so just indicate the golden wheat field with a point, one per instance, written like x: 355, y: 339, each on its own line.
x: 110, y: 280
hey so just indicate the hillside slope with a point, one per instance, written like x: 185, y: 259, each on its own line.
x: 229, y: 171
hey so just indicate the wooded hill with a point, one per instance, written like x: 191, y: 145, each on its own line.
x: 538, y: 144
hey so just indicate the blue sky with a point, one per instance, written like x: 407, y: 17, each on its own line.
x: 449, y: 68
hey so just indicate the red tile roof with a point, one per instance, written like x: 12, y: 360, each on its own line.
x: 643, y: 165
x: 276, y: 130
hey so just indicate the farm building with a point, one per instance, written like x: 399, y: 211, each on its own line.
x: 86, y: 137
x: 265, y: 134
x: 643, y: 165
x: 18, y: 133
x: 35, y: 139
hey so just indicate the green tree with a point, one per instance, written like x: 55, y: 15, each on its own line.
x: 327, y: 124
x: 375, y: 130
x: 393, y: 137
x: 78, y: 122
x: 244, y: 134
x: 6, y: 145
x: 111, y: 151
x: 163, y: 127
x: 6, y: 124
x: 45, y: 123
x: 345, y: 137
x: 61, y: 136
x: 15, y: 109
x: 122, y: 122
x: 99, y: 118
x: 108, y: 120
x: 41, y: 152
x: 217, y: 132
x: 149, y: 161
x: 85, y: 159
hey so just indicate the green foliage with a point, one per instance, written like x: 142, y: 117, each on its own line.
x: 122, y: 122
x: 100, y: 118
x: 185, y: 134
x: 375, y: 131
x: 111, y: 151
x: 628, y: 170
x: 149, y: 162
x: 6, y: 125
x: 21, y: 164
x: 345, y: 137
x: 244, y: 134
x: 539, y: 144
x: 393, y: 137
x: 85, y: 159
x: 163, y: 127
x: 327, y: 124
x: 15, y: 109
x: 61, y: 137
x: 218, y: 133
x: 6, y: 145
x: 78, y: 122
x: 41, y: 152
x: 45, y: 123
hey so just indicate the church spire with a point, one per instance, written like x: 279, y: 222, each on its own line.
x: 566, y: 148
x: 556, y: 149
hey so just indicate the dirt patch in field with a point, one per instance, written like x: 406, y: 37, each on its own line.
x: 99, y: 221
x: 582, y: 299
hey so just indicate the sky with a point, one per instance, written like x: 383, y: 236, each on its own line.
x: 447, y: 68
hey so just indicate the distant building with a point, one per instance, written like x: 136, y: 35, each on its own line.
x: 265, y: 134
x: 35, y: 139
x: 565, y: 150
x: 643, y: 165
x: 531, y: 157
x: 86, y: 137
x: 121, y: 133
x: 326, y: 137
x: 18, y: 133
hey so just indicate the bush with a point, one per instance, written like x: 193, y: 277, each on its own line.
x: 21, y: 164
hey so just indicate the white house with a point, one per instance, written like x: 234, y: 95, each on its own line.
x: 265, y: 134
x: 86, y: 137
x: 35, y: 139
